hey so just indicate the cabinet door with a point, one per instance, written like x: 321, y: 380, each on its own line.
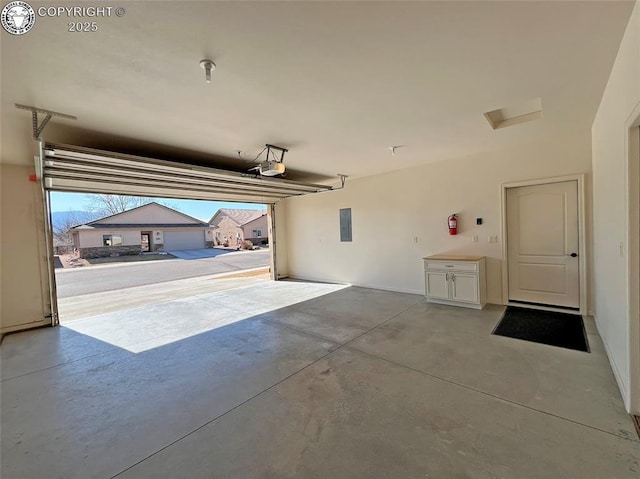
x: 436, y: 284
x: 464, y: 287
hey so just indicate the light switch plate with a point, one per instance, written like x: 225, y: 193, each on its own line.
x: 493, y: 239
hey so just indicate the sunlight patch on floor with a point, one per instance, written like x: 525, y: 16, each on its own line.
x: 149, y: 326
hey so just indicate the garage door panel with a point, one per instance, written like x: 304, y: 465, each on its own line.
x: 73, y: 168
x: 183, y: 240
x: 85, y: 186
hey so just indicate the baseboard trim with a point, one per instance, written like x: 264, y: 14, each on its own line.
x: 616, y: 372
x: 359, y: 285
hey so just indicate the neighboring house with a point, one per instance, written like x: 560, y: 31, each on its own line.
x: 151, y: 227
x: 231, y: 227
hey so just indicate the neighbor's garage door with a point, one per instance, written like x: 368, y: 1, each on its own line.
x: 182, y: 240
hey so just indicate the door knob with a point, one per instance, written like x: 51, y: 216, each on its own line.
x: 573, y: 255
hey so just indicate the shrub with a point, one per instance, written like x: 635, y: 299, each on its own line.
x: 247, y: 244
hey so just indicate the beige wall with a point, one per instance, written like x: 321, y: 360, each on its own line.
x: 93, y: 238
x: 415, y: 203
x: 257, y: 224
x: 610, y: 157
x: 228, y: 230
x: 23, y: 270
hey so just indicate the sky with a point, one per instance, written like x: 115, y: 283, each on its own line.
x: 203, y: 210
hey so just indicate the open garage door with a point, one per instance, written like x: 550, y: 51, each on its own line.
x: 83, y: 170
x: 86, y: 170
x: 72, y: 168
x: 183, y: 240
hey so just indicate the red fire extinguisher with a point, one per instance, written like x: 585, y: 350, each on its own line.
x: 453, y: 224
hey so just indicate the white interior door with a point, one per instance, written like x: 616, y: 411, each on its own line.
x: 542, y: 244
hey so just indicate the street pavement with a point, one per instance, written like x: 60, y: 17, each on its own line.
x: 93, y: 279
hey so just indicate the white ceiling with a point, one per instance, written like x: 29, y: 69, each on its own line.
x: 335, y: 82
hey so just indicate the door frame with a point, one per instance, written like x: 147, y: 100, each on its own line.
x: 149, y: 235
x: 632, y: 170
x: 582, y: 250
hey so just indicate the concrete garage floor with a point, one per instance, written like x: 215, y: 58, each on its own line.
x: 318, y: 381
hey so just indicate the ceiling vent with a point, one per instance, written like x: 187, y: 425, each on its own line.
x: 515, y: 114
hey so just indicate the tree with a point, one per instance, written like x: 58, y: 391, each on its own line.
x: 107, y: 205
x: 65, y: 221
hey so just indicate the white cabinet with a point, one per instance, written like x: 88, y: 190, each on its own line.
x: 464, y: 287
x: 455, y: 280
x: 437, y: 284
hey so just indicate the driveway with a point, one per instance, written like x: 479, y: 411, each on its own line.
x: 94, y: 279
x: 200, y: 253
x: 98, y: 304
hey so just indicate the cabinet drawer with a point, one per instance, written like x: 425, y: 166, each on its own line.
x: 451, y: 265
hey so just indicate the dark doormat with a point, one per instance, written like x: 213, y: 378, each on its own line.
x: 546, y: 327
x: 636, y: 423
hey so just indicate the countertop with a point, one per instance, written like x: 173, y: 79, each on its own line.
x: 449, y: 257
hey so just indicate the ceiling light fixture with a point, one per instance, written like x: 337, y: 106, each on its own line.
x: 208, y: 66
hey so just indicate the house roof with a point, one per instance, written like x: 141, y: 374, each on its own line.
x: 241, y: 217
x: 100, y: 223
x: 141, y: 226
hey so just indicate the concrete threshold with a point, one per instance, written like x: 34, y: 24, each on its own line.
x: 88, y: 305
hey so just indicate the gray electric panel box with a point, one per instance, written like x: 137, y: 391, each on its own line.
x: 345, y: 224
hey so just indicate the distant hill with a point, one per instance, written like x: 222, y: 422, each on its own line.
x: 61, y: 219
